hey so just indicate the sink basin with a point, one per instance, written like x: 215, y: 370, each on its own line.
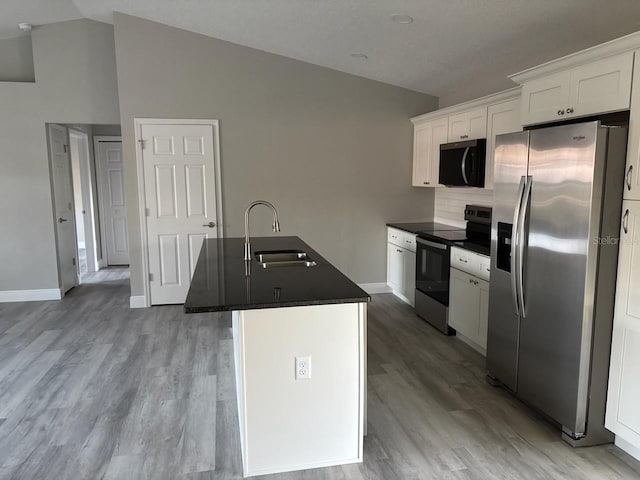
x: 284, y: 258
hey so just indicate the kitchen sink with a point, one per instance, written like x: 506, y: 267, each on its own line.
x: 284, y: 258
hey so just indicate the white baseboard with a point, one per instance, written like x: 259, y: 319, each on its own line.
x: 372, y: 288
x: 30, y: 295
x: 137, y: 301
x: 627, y: 447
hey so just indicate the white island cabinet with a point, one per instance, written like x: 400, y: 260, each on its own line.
x: 291, y: 419
x: 299, y: 340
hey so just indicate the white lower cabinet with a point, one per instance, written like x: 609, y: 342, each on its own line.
x: 623, y: 400
x: 469, y: 308
x: 401, y: 264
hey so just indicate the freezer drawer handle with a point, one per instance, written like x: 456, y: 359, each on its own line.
x: 629, y: 170
x: 625, y: 221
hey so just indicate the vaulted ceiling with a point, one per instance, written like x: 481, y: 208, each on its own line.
x: 455, y: 49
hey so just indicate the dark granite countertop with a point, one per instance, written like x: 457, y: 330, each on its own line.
x: 417, y: 227
x: 219, y: 282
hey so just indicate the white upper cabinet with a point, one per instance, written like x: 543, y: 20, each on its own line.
x: 623, y: 401
x: 468, y: 125
x: 545, y: 99
x: 427, y: 138
x: 632, y: 173
x: 595, y: 87
x: 501, y: 118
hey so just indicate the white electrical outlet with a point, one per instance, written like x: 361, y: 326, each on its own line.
x: 303, y: 368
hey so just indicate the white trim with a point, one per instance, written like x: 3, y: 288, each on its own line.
x: 487, y: 100
x: 88, y: 220
x: 137, y: 301
x: 598, y: 52
x: 103, y: 239
x: 373, y: 288
x: 138, y: 123
x: 30, y: 295
x: 306, y: 466
x: 628, y: 447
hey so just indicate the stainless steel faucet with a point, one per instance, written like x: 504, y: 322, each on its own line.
x: 275, y: 226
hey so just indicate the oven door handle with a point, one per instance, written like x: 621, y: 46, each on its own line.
x: 439, y: 246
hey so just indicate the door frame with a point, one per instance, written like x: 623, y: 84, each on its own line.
x: 99, y: 181
x: 86, y: 193
x: 145, y: 301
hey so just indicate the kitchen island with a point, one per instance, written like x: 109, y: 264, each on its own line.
x: 299, y: 332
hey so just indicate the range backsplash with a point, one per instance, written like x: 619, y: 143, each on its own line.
x: 450, y: 203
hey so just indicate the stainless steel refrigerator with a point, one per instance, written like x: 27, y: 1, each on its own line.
x: 556, y: 218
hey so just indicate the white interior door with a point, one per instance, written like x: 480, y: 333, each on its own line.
x: 113, y: 207
x: 180, y: 195
x: 63, y: 206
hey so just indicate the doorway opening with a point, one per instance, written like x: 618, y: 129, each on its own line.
x: 76, y: 198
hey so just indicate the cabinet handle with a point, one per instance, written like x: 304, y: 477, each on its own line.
x: 425, y: 183
x: 569, y: 110
x: 471, y: 280
x: 629, y: 170
x: 463, y: 260
x: 560, y: 112
x: 462, y: 137
x: 625, y: 221
x: 398, y: 250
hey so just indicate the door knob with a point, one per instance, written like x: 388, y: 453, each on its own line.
x: 210, y: 225
x: 60, y: 220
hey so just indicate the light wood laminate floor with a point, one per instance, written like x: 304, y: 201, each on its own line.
x: 90, y: 389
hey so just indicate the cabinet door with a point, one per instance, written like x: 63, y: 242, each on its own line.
x: 545, y: 99
x: 468, y: 125
x: 632, y: 179
x: 599, y: 87
x: 501, y: 118
x: 427, y: 138
x: 395, y: 267
x: 483, y: 315
x: 409, y: 274
x: 463, y: 303
x: 623, y: 399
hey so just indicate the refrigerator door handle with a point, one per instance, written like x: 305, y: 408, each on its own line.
x: 526, y: 197
x: 515, y: 242
x: 463, y: 166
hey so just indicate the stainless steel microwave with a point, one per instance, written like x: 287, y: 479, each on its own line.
x: 462, y: 164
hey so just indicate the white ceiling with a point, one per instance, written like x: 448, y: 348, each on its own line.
x: 454, y: 48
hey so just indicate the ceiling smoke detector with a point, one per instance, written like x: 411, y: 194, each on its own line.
x: 25, y: 26
x: 402, y: 18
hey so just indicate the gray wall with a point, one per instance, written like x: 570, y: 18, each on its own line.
x: 75, y: 83
x: 16, y: 59
x: 332, y: 151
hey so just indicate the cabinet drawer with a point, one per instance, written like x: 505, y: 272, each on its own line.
x: 401, y: 238
x: 464, y: 260
x: 470, y: 262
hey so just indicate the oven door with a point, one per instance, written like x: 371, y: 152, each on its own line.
x: 432, y: 269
